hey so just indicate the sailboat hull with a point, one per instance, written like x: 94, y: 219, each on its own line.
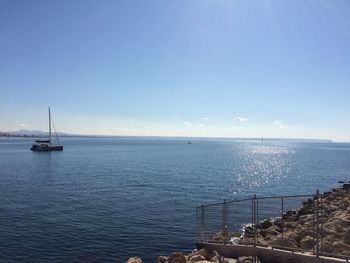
x: 46, y: 148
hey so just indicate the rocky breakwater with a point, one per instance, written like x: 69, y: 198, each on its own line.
x: 197, y: 256
x: 298, y: 229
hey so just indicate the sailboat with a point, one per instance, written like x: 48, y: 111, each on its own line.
x: 47, y: 145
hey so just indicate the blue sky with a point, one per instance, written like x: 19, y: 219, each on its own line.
x: 214, y: 68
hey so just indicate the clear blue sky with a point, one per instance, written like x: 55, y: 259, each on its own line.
x: 220, y: 68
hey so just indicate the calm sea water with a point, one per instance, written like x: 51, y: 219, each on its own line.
x: 106, y: 199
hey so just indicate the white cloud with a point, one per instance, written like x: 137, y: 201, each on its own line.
x: 240, y: 119
x: 205, y: 118
x: 279, y: 124
x: 23, y: 125
x: 187, y: 123
x: 200, y: 125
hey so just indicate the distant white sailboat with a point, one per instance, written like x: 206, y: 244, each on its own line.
x: 47, y: 145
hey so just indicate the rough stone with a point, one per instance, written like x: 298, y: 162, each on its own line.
x: 284, y: 243
x: 346, y: 237
x: 307, y: 243
x: 340, y: 247
x: 245, y: 259
x: 162, y: 259
x: 177, y: 258
x: 215, y: 257
x: 204, y: 253
x: 196, y: 258
x: 265, y: 224
x: 134, y: 260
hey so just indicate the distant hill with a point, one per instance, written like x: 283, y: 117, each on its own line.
x: 31, y: 133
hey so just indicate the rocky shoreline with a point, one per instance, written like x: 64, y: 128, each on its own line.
x: 198, y: 256
x: 295, y: 230
x: 298, y: 227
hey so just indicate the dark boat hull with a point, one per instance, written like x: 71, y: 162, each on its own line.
x: 38, y: 148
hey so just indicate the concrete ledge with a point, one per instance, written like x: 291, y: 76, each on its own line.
x: 267, y: 255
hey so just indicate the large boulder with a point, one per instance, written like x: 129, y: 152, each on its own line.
x: 345, y: 221
x: 327, y: 247
x: 245, y: 260
x: 215, y: 257
x: 196, y: 258
x: 307, y: 232
x: 134, y: 260
x: 230, y: 260
x: 346, y: 237
x: 162, y: 259
x: 340, y: 247
x: 271, y: 231
x: 204, y: 253
x: 284, y: 243
x: 307, y: 243
x: 177, y: 257
x: 249, y: 259
x: 265, y: 224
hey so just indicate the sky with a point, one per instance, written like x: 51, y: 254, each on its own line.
x: 204, y: 68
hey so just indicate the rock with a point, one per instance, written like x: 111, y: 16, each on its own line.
x: 196, y: 258
x: 289, y: 216
x: 134, y: 260
x: 307, y: 243
x: 265, y: 224
x: 162, y: 259
x: 307, y: 232
x: 204, y: 253
x: 177, y: 257
x: 271, y: 231
x: 279, y: 222
x: 248, y: 232
x: 346, y: 186
x: 220, y: 236
x: 247, y: 260
x: 215, y: 257
x: 284, y: 243
x: 346, y: 237
x: 345, y: 221
x: 339, y: 247
x: 230, y: 260
x: 291, y: 226
x: 327, y: 247
x: 305, y: 218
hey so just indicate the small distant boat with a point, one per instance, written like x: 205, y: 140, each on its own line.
x: 189, y: 142
x: 47, y: 145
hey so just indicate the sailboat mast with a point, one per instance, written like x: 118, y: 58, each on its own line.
x: 49, y: 125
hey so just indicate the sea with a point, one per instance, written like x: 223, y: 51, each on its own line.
x: 107, y: 199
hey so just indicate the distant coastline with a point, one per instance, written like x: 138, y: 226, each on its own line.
x: 40, y: 134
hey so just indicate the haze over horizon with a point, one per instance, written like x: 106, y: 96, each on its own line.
x: 213, y: 68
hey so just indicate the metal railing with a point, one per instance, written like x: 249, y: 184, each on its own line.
x: 294, y: 223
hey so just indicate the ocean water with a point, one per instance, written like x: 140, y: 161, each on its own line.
x: 106, y: 199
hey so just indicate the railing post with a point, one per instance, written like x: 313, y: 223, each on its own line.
x: 224, y: 220
x: 202, y: 223
x: 282, y: 208
x: 313, y: 220
x: 317, y: 223
x: 254, y: 218
x: 252, y: 208
x: 322, y: 218
x: 257, y: 219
